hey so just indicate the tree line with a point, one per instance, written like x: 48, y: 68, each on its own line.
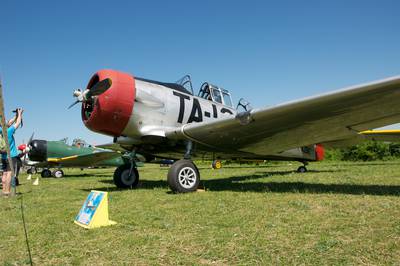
x: 366, y: 151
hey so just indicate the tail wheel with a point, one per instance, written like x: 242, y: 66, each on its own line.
x: 125, y: 178
x: 183, y: 177
x: 216, y: 164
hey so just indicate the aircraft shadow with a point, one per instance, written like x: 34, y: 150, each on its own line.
x: 87, y: 175
x: 301, y: 187
x: 276, y: 187
x: 143, y: 184
x: 365, y: 164
x: 234, y: 184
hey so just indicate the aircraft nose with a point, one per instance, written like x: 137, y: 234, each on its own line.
x: 109, y: 112
x: 38, y: 150
x: 22, y: 147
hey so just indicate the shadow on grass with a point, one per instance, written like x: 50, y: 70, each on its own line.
x: 364, y: 164
x: 301, y: 187
x: 235, y: 183
x: 87, y: 175
x: 143, y: 184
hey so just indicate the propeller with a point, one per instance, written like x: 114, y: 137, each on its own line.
x: 30, y: 139
x: 98, y: 89
x: 25, y: 148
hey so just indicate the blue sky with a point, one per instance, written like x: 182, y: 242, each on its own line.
x: 265, y: 51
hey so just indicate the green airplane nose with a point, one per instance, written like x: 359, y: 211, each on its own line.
x: 38, y: 150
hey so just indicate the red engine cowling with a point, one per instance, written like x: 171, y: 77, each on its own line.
x: 109, y: 112
x: 319, y: 152
x: 22, y: 147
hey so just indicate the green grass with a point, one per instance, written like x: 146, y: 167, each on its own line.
x: 337, y: 213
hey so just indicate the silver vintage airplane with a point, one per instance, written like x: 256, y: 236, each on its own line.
x: 168, y: 120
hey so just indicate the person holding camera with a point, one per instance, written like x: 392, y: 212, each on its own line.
x: 12, y: 125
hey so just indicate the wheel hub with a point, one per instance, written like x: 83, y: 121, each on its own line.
x: 126, y: 178
x: 187, y: 177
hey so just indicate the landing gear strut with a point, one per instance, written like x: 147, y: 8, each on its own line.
x: 126, y: 175
x: 183, y: 176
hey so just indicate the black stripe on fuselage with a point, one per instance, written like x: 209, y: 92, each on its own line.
x: 173, y: 86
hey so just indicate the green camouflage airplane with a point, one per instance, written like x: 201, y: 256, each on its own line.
x: 58, y: 154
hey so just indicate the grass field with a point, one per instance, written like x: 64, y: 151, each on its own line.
x: 337, y: 213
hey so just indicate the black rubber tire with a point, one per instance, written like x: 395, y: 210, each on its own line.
x: 301, y: 169
x: 120, y: 177
x: 45, y: 173
x: 58, y: 173
x: 175, y: 171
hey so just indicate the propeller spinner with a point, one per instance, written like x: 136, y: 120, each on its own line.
x: 25, y: 148
x: 97, y: 89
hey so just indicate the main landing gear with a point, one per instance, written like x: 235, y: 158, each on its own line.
x: 303, y: 168
x: 58, y: 173
x: 45, y: 173
x: 183, y: 176
x: 127, y: 176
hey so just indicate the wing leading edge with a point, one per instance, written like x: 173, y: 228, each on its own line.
x: 325, y: 118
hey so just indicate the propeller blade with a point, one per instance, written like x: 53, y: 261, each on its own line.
x: 99, y: 88
x: 69, y: 107
x: 30, y: 139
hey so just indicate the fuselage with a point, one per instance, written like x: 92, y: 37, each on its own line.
x: 159, y: 109
x: 138, y: 113
x: 46, y: 151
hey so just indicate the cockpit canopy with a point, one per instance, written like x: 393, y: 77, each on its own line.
x: 80, y: 143
x: 208, y: 91
x: 215, y: 94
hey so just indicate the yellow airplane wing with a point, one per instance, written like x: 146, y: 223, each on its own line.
x: 392, y: 135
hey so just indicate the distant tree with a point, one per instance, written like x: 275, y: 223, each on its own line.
x: 333, y: 155
x: 368, y: 151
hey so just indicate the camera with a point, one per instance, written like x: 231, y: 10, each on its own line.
x: 16, y: 111
x: 16, y: 114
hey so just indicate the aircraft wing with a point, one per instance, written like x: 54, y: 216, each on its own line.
x: 125, y: 149
x: 324, y: 118
x: 83, y: 160
x: 382, y: 135
x: 376, y: 135
x: 113, y: 146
